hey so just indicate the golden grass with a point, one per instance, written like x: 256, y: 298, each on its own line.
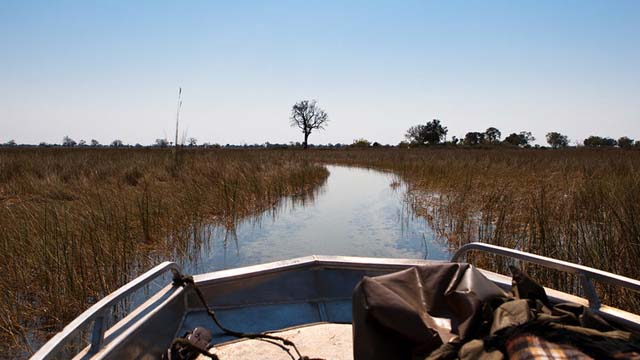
x: 579, y: 205
x: 75, y: 224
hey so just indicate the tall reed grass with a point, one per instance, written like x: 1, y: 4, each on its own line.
x: 579, y: 205
x: 75, y: 224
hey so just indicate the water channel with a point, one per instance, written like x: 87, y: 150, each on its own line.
x: 356, y: 212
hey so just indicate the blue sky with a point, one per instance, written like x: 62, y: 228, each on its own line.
x: 111, y: 69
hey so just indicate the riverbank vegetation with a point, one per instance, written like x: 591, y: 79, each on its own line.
x: 75, y: 224
x: 579, y: 205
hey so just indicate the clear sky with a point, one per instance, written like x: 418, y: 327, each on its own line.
x: 111, y: 69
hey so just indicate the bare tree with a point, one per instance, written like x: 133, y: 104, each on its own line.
x: 307, y: 116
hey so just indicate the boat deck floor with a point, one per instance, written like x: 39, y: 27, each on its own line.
x: 269, y: 317
x: 323, y: 340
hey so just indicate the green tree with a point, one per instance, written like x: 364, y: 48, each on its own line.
x: 431, y: 133
x: 361, y: 143
x: 474, y: 138
x: 625, y: 142
x: 597, y: 141
x: 523, y: 139
x: 117, y: 143
x: 163, y: 143
x: 557, y: 140
x: 68, y: 142
x: 492, y: 135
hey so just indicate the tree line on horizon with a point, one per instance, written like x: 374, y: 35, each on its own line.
x: 307, y: 116
x: 434, y: 133
x: 491, y: 138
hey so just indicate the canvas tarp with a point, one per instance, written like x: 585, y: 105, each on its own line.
x: 451, y: 310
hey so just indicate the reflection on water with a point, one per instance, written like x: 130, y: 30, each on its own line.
x: 356, y: 212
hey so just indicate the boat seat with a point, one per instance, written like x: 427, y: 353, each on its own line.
x: 321, y: 340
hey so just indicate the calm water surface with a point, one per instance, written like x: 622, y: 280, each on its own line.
x: 356, y: 212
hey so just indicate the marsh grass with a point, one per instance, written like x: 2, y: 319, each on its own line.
x: 75, y: 224
x: 579, y: 205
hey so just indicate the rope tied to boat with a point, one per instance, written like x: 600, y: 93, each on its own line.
x: 187, y: 344
x: 187, y: 280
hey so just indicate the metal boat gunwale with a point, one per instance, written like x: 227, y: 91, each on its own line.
x: 97, y: 311
x: 130, y: 323
x: 586, y: 273
x: 100, y: 344
x: 328, y: 261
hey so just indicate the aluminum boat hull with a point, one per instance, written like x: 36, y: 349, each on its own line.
x: 257, y: 298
